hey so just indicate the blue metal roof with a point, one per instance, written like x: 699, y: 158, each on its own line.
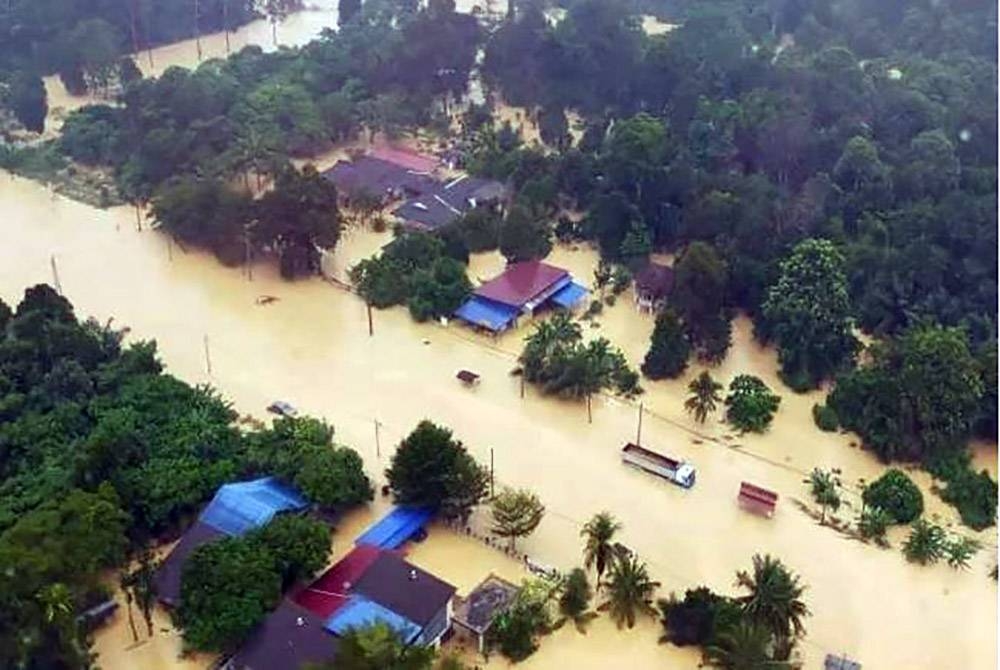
x: 360, y: 612
x: 569, y: 295
x: 487, y: 313
x: 396, y: 527
x: 243, y: 506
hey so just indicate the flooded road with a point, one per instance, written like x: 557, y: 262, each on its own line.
x: 312, y: 348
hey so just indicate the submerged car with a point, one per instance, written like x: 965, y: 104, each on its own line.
x: 282, y: 408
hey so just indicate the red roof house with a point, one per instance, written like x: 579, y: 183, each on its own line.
x: 331, y: 590
x: 522, y: 283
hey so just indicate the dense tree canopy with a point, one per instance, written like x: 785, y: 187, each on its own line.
x: 431, y: 468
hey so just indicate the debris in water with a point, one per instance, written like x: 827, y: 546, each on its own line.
x: 266, y: 299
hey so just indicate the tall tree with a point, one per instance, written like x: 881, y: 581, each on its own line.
x: 523, y: 236
x: 379, y: 647
x: 743, y: 647
x: 704, y: 396
x: 808, y: 314
x: 630, y: 591
x: 699, y: 296
x: 774, y: 601
x: 669, y: 348
x: 431, y: 468
x: 347, y: 10
x: 27, y: 99
x: 516, y: 513
x: 598, y: 550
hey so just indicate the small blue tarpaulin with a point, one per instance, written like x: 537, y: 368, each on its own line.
x: 396, y: 527
x: 487, y: 313
x: 243, y: 506
x: 360, y: 612
x: 569, y: 295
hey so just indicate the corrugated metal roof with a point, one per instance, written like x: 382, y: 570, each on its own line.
x: 521, y: 283
x: 331, y: 590
x: 569, y: 296
x: 396, y: 527
x: 404, y: 588
x: 360, y: 612
x: 243, y: 506
x: 487, y: 314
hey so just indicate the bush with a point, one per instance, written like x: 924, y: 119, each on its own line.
x: 926, y: 544
x: 873, y: 524
x: 825, y: 418
x: 514, y: 632
x: 696, y: 619
x: 750, y: 405
x: 897, y: 495
x: 959, y: 551
x: 973, y: 495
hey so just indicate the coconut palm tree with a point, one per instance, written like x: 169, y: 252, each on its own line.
x: 774, y: 601
x: 744, y: 647
x: 56, y: 601
x: 630, y: 590
x: 704, y: 396
x: 598, y: 550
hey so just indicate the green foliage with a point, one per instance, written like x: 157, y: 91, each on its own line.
x: 516, y: 513
x: 823, y: 488
x: 704, y: 396
x: 378, y: 647
x: 227, y: 588
x: 745, y: 646
x: 918, y: 398
x: 973, y: 494
x: 556, y: 359
x: 774, y: 601
x: 522, y: 236
x: 515, y: 631
x: 574, y: 599
x: 300, y: 546
x: 480, y: 228
x: 825, y: 418
x: 431, y: 468
x: 896, y: 495
x: 699, y: 296
x: 807, y: 313
x: 669, y: 348
x: 873, y: 524
x: 413, y: 269
x: 90, y: 135
x: 27, y: 99
x: 598, y: 550
x: 926, y: 544
x: 629, y: 591
x: 750, y: 405
x: 959, y: 550
x: 698, y: 619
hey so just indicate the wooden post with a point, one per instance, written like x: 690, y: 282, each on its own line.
x: 378, y: 448
x: 590, y: 416
x: 491, y: 472
x: 522, y: 382
x: 371, y: 328
x: 225, y: 22
x: 197, y: 30
x: 55, y: 275
x: 170, y: 249
x: 208, y: 357
x: 638, y: 430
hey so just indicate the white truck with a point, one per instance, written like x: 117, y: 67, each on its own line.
x: 678, y: 472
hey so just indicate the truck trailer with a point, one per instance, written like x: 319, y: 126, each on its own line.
x: 678, y: 472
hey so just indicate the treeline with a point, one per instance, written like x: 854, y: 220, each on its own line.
x: 830, y: 162
x: 100, y: 452
x: 190, y: 141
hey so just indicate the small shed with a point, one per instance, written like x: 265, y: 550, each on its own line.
x: 475, y: 613
x: 653, y: 285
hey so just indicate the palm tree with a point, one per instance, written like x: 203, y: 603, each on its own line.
x: 774, y: 601
x: 704, y: 396
x: 126, y: 581
x: 630, y: 591
x: 57, y: 602
x: 598, y: 550
x: 744, y: 647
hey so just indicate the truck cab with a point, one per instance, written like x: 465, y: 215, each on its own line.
x: 685, y: 475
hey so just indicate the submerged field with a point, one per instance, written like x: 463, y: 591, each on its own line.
x: 312, y: 348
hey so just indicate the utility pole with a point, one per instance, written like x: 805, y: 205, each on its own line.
x: 638, y: 430
x: 197, y: 30
x: 371, y: 328
x: 491, y: 472
x: 55, y: 274
x: 170, y: 249
x: 522, y: 383
x: 208, y: 357
x: 378, y: 448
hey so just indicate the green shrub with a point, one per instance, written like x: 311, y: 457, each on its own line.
x: 926, y: 544
x: 825, y: 418
x: 973, y: 495
x: 873, y: 524
x: 750, y: 405
x: 895, y: 493
x: 959, y: 550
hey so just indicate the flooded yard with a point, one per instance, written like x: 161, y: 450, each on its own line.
x: 312, y: 348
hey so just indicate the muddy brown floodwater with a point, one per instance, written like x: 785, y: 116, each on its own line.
x: 312, y: 348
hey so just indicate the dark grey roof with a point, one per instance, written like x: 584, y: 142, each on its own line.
x: 840, y: 663
x: 487, y: 600
x: 655, y: 280
x: 168, y: 577
x: 404, y: 588
x: 439, y: 207
x: 377, y: 177
x: 290, y: 637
